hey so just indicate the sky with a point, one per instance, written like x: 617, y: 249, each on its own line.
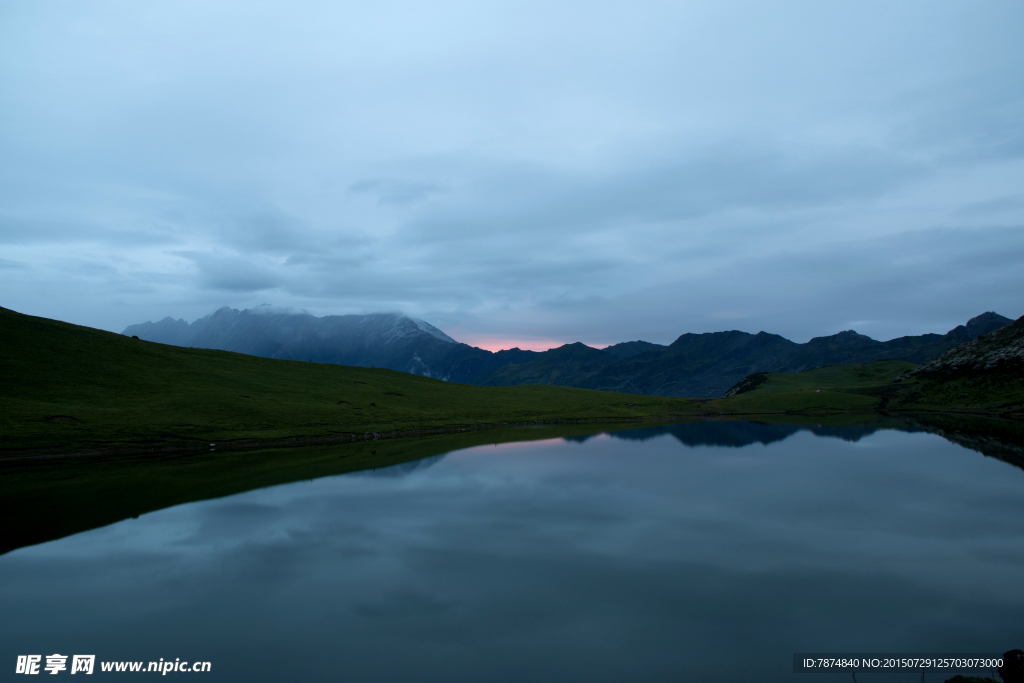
x: 517, y: 174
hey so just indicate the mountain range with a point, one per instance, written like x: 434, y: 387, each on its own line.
x: 694, y: 365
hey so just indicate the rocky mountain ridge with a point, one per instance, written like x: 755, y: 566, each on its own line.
x: 999, y: 351
x: 694, y: 365
x: 707, y: 365
x: 385, y: 340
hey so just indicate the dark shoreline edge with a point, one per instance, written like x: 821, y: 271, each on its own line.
x: 203, y: 445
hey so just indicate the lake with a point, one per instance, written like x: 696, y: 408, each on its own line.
x: 704, y: 551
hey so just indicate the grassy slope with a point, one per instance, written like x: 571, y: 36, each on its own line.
x: 799, y: 391
x: 999, y: 394
x: 67, y: 387
x: 869, y: 386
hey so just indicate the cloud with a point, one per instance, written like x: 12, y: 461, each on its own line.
x: 233, y: 274
x: 397, y: 192
x: 536, y: 172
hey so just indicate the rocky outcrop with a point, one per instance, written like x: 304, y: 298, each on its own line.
x: 748, y: 383
x: 1001, y: 351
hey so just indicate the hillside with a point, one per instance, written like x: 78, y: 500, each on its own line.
x: 567, y: 365
x: 699, y: 365
x: 832, y: 388
x: 998, y: 353
x: 67, y: 387
x: 982, y: 376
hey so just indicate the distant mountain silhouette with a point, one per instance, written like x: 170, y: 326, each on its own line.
x: 384, y: 340
x: 706, y: 365
x: 694, y: 365
x: 629, y: 349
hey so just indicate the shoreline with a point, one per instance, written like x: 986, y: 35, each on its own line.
x: 194, y: 445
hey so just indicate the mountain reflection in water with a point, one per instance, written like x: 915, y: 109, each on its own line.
x: 737, y: 434
x: 726, y: 434
x: 998, y: 438
x: 402, y: 469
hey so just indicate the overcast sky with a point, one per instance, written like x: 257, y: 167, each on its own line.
x: 517, y: 174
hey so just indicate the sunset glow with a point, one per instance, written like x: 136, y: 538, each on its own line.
x: 496, y: 343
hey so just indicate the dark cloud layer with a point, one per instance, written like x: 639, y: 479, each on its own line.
x: 552, y: 172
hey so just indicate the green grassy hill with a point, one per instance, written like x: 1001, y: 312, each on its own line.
x: 66, y: 387
x: 870, y: 386
x: 832, y: 388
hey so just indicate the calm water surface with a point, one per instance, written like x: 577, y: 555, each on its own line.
x: 696, y: 552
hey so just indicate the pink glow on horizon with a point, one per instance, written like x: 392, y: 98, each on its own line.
x: 485, y: 449
x: 511, y: 445
x: 496, y: 343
